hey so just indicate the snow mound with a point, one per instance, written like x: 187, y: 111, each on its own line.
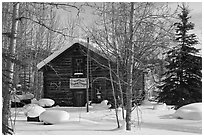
x: 102, y: 106
x: 33, y: 110
x: 159, y: 106
x: 190, y: 112
x: 105, y: 104
x: 34, y: 101
x: 46, y: 102
x: 54, y: 116
x: 89, y: 105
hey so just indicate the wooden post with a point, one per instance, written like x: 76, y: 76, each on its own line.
x: 87, y: 77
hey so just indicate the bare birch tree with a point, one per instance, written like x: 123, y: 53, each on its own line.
x: 8, y: 88
x: 31, y: 28
x: 137, y: 32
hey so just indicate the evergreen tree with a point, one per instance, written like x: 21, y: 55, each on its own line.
x: 182, y: 81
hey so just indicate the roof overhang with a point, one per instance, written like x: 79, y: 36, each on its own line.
x: 55, y: 54
x: 60, y: 51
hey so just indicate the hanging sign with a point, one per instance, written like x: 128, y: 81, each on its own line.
x: 77, y: 83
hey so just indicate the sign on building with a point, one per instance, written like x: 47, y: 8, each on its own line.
x: 78, y: 83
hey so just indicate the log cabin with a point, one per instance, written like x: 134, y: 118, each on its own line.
x: 65, y: 73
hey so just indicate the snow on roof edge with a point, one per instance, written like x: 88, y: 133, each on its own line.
x: 58, y: 52
x: 53, y: 55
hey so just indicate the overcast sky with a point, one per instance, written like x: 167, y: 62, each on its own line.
x: 196, y: 16
x: 195, y: 13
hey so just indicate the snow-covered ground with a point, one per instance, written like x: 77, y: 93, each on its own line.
x: 103, y: 122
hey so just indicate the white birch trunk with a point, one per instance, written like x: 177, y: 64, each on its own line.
x: 130, y: 71
x: 10, y: 68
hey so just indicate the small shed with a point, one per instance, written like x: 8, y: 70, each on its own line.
x: 65, y: 72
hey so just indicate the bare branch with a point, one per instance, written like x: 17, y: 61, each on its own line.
x: 47, y: 27
x: 60, y: 4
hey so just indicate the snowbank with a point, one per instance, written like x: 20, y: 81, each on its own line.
x: 190, y: 112
x: 103, y: 122
x: 54, y: 116
x: 33, y: 110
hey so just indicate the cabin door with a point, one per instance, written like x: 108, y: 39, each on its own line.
x: 79, y: 98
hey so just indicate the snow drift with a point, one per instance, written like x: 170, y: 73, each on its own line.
x: 102, y: 122
x: 190, y: 112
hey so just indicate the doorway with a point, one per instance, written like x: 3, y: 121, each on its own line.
x: 79, y: 98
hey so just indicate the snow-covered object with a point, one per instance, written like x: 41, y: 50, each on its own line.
x: 33, y: 110
x: 46, y: 102
x: 102, y: 106
x: 105, y: 103
x: 159, y: 106
x: 190, y: 112
x: 90, y: 106
x: 34, y: 101
x: 54, y: 116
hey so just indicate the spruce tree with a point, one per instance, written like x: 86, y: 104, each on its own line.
x: 182, y: 83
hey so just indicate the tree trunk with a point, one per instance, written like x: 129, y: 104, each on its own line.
x: 130, y: 71
x: 10, y: 73
x: 120, y: 89
x: 114, y: 96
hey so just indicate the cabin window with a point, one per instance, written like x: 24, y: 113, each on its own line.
x: 78, y: 66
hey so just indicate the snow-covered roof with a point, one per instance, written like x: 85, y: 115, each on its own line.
x: 61, y: 50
